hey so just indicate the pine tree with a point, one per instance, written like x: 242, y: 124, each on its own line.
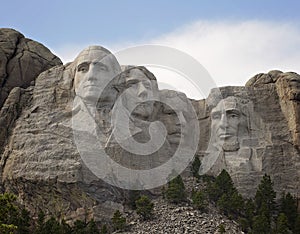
x: 91, y: 228
x: 133, y: 196
x: 249, y: 210
x: 222, y: 228
x: 265, y: 198
x: 144, y: 207
x: 223, y: 184
x: 51, y: 226
x: 282, y: 226
x: 296, y: 228
x: 40, y: 223
x: 198, y: 200
x: 104, y: 229
x: 175, y: 192
x: 8, y: 211
x: 231, y: 203
x: 23, y: 222
x: 196, y: 166
x: 118, y: 221
x: 225, y: 195
x: 261, y: 224
x: 65, y: 228
x: 79, y: 227
x: 288, y: 206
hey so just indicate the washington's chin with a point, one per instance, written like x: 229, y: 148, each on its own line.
x: 92, y: 94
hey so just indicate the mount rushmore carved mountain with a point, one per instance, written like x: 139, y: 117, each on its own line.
x: 54, y: 124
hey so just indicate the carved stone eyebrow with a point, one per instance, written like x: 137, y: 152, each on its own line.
x: 233, y: 111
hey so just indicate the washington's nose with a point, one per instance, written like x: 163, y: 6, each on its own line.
x: 92, y: 74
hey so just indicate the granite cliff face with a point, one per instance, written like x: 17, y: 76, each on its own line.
x: 21, y: 61
x: 248, y: 131
x: 271, y: 145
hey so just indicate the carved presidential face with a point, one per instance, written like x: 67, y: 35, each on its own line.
x: 139, y: 93
x: 95, y: 67
x: 174, y: 115
x: 226, y: 119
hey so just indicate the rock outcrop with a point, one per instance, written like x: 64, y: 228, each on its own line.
x: 54, y: 133
x: 21, y: 61
x: 272, y: 142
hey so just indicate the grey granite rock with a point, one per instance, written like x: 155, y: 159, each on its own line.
x: 41, y: 158
x: 21, y: 61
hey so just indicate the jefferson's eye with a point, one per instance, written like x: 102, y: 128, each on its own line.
x: 84, y: 67
x: 103, y: 67
x: 131, y: 83
x: 147, y: 85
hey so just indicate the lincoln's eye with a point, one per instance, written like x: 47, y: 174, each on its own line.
x: 216, y: 115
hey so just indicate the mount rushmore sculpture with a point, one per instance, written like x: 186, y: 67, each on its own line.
x: 89, y: 130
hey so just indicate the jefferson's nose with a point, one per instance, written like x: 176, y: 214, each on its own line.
x: 142, y: 91
x: 181, y: 119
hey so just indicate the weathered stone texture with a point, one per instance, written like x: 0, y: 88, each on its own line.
x: 39, y: 159
x: 21, y: 61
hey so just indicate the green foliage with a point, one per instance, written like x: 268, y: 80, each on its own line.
x: 222, y: 184
x: 231, y: 204
x: 103, y: 229
x: 282, y: 226
x: 196, y: 166
x: 65, y: 228
x: 144, y: 207
x: 249, y: 211
x: 288, y: 206
x: 265, y: 198
x: 222, y: 228
x: 297, y: 225
x: 198, y: 200
x: 52, y: 226
x: 79, y: 227
x: 23, y: 222
x: 133, y: 195
x: 12, y: 218
x: 91, y: 228
x: 8, y: 210
x: 7, y: 228
x: 261, y: 224
x: 225, y: 195
x: 118, y: 221
x: 175, y: 192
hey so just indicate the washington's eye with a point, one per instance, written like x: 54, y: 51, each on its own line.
x: 84, y: 67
